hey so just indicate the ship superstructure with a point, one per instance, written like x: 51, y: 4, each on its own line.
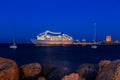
x: 52, y: 38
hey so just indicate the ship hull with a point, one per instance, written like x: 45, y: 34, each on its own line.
x: 48, y: 42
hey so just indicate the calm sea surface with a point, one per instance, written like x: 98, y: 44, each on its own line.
x: 69, y: 56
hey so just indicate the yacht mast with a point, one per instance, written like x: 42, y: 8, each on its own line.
x: 94, y: 32
x: 14, y: 35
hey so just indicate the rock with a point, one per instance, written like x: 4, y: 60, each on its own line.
x: 47, y: 69
x: 41, y: 78
x: 103, y: 63
x: 58, y: 73
x: 109, y: 71
x: 8, y: 69
x: 31, y: 71
x: 72, y: 76
x: 87, y: 71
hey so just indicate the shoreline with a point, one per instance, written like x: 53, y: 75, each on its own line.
x: 80, y: 44
x: 36, y: 71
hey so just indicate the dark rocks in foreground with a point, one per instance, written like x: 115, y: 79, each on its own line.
x: 41, y: 78
x: 58, y: 73
x: 106, y: 70
x: 31, y: 71
x: 84, y: 72
x: 87, y: 71
x: 8, y: 69
x: 109, y: 70
x: 72, y: 76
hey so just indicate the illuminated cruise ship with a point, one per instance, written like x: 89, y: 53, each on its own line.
x: 52, y: 38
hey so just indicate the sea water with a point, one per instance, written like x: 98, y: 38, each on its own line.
x: 70, y: 56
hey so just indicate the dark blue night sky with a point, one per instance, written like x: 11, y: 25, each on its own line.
x: 74, y: 17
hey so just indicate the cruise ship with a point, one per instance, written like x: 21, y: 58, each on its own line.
x: 52, y: 38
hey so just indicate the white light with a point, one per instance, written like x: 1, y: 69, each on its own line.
x: 59, y: 36
x: 48, y: 36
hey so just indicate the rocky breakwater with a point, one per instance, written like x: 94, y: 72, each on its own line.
x: 31, y: 71
x: 109, y: 70
x: 105, y: 70
x: 8, y: 69
x: 72, y: 76
x: 84, y: 72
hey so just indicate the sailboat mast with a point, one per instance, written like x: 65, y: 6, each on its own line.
x: 94, y: 32
x: 14, y: 35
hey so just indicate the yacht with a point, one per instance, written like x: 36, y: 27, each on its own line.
x: 94, y: 45
x: 14, y: 45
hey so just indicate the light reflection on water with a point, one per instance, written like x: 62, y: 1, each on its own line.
x: 53, y: 56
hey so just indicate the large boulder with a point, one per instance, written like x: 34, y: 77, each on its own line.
x: 47, y: 69
x: 31, y: 71
x: 72, y: 76
x: 87, y: 71
x: 8, y: 69
x: 109, y: 71
x: 58, y: 73
x: 102, y: 64
x: 41, y: 78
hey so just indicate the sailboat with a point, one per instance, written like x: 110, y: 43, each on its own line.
x: 14, y: 45
x: 94, y: 46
